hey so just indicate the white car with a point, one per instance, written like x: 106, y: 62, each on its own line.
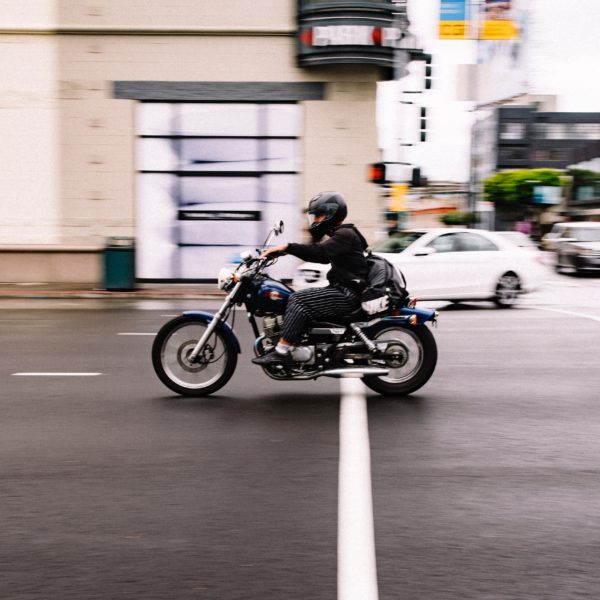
x: 452, y: 264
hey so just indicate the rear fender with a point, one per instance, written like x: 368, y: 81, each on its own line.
x: 413, y: 316
x: 222, y: 326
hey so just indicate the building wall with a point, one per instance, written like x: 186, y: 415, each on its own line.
x: 29, y: 147
x: 66, y: 121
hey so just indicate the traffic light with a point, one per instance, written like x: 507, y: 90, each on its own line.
x: 423, y: 124
x: 428, y: 71
x: 377, y: 173
x: 417, y: 57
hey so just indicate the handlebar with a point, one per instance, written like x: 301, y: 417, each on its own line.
x: 256, y: 264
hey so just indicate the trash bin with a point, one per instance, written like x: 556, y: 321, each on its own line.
x: 119, y: 263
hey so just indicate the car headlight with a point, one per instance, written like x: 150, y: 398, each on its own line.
x: 225, y: 278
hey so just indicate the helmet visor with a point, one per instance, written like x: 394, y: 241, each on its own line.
x: 312, y: 220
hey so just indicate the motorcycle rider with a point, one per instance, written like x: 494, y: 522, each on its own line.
x: 344, y: 250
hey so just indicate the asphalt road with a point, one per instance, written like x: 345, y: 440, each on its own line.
x: 485, y: 483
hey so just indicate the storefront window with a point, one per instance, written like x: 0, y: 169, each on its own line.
x: 212, y: 179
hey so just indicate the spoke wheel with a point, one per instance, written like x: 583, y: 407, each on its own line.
x: 172, y: 350
x: 411, y: 356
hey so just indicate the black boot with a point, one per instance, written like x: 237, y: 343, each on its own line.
x: 274, y: 358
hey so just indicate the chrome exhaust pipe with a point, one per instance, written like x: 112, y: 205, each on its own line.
x: 353, y: 371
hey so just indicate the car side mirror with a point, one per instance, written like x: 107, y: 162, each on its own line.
x: 427, y: 251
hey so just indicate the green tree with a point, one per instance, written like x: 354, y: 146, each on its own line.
x: 457, y: 217
x: 513, y: 190
x: 583, y: 177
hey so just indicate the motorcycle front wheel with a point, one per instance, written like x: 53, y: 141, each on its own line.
x: 411, y: 356
x: 170, y: 357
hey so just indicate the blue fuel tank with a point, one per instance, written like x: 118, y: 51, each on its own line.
x: 270, y: 297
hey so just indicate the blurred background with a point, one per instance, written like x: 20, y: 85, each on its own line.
x: 180, y: 130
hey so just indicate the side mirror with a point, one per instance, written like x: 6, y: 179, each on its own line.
x: 279, y: 227
x: 427, y: 251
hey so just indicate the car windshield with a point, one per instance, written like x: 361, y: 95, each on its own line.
x: 398, y: 242
x: 587, y: 235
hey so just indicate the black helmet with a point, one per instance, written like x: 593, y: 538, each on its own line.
x: 330, y: 204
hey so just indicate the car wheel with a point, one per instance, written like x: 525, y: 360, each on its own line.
x: 508, y: 289
x: 560, y: 266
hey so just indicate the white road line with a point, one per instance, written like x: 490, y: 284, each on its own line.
x: 357, y: 570
x: 136, y: 333
x: 568, y: 312
x: 56, y: 374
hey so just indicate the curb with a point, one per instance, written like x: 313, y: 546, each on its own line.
x: 107, y: 294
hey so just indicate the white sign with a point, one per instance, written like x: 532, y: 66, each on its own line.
x: 343, y: 35
x: 355, y: 35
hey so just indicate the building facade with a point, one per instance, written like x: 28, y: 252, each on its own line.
x: 189, y: 126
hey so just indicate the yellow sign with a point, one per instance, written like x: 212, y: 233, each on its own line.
x: 453, y: 30
x: 454, y: 19
x: 497, y: 23
x: 398, y: 194
x: 487, y: 20
x: 498, y: 30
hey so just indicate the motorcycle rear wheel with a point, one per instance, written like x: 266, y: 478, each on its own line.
x: 170, y: 357
x: 412, y: 360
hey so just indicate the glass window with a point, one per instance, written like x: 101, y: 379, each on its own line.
x: 446, y: 242
x: 473, y: 242
x: 220, y: 154
x: 398, y: 242
x: 156, y: 119
x: 512, y: 131
x: 283, y: 120
x: 512, y: 153
x: 559, y: 154
x: 584, y: 234
x: 214, y: 178
x: 220, y: 119
x: 567, y: 131
x: 157, y: 154
x: 204, y: 190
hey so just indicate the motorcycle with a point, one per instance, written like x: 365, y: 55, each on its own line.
x: 196, y: 353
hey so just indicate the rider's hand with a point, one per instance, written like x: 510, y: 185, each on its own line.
x: 274, y: 252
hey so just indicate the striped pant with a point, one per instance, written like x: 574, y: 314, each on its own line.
x: 316, y: 304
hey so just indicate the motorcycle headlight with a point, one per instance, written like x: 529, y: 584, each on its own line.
x: 225, y: 278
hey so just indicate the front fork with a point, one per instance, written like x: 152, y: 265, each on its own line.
x: 219, y: 315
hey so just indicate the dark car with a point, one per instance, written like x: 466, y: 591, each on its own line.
x: 578, y: 248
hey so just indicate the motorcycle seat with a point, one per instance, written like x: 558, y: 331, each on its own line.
x: 357, y: 315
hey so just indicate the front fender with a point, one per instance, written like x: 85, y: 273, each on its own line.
x: 224, y: 327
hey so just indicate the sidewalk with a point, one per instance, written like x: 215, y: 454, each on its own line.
x: 200, y: 291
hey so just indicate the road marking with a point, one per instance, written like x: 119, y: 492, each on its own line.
x: 56, y: 374
x: 568, y: 312
x: 357, y: 570
x: 136, y: 333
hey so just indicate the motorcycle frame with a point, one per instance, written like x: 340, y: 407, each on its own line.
x: 406, y: 315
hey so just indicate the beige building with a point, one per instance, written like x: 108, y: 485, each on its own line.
x: 155, y: 119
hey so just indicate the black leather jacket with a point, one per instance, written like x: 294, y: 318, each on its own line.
x: 344, y: 249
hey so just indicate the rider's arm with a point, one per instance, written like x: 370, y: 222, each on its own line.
x: 322, y: 252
